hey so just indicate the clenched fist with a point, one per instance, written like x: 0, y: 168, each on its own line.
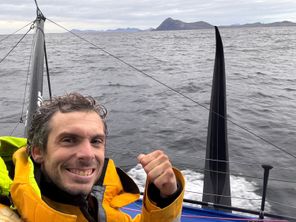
x: 159, y: 171
x: 7, y: 215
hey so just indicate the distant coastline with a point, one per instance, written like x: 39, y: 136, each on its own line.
x: 170, y: 24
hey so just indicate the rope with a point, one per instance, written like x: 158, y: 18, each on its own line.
x: 174, y: 90
x: 12, y: 132
x: 26, y: 84
x: 240, y: 198
x: 284, y: 205
x: 202, y: 170
x: 218, y: 195
x: 6, y: 37
x: 237, y: 174
x: 207, y: 159
x: 47, y: 71
x: 32, y: 26
x: 252, y: 164
x: 243, y: 163
x: 236, y: 197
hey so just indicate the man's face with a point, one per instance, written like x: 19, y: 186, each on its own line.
x: 75, y: 151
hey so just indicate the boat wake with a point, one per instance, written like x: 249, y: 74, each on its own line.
x: 243, y: 192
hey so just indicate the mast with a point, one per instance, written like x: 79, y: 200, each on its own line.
x: 216, y: 180
x: 36, y: 71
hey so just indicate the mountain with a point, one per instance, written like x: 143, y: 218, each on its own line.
x: 109, y: 30
x: 259, y: 24
x: 124, y: 30
x: 171, y: 24
x: 83, y: 31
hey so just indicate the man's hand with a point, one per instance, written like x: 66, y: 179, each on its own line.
x: 7, y: 215
x: 159, y: 171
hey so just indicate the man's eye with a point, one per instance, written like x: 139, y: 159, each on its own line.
x: 97, y: 141
x: 68, y: 140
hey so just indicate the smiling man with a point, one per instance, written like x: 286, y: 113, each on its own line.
x: 75, y: 151
x: 67, y: 177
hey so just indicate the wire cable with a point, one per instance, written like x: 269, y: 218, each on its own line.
x: 248, y: 176
x: 232, y: 197
x: 15, y: 127
x: 284, y: 205
x: 6, y: 37
x: 174, y: 90
x: 47, y: 71
x: 16, y: 44
x: 252, y: 164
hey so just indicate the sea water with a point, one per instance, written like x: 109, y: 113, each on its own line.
x: 119, y: 70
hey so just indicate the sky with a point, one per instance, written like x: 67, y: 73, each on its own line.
x: 142, y: 14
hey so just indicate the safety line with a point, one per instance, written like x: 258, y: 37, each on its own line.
x: 6, y: 37
x: 174, y: 90
x: 16, y: 44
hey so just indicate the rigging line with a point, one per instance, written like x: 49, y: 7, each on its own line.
x: 243, y: 210
x: 174, y: 90
x: 248, y: 176
x: 282, y: 204
x: 6, y: 37
x: 12, y: 132
x: 218, y: 195
x: 219, y: 161
x: 260, y: 137
x: 47, y: 71
x: 241, y: 198
x: 9, y: 117
x: 231, y: 174
x: 10, y: 122
x: 242, y: 163
x: 16, y: 44
x: 195, y: 202
x: 27, y: 81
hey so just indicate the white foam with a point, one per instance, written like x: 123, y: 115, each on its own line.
x: 243, y: 192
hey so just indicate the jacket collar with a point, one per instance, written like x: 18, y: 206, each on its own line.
x: 53, y: 192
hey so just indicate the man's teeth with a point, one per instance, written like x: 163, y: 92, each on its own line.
x: 81, y: 172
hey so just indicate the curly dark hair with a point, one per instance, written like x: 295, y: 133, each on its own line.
x: 72, y: 102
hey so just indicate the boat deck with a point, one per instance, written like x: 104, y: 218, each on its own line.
x: 190, y: 214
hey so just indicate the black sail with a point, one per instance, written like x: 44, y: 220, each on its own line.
x: 216, y: 180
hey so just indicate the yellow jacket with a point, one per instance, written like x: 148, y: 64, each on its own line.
x: 115, y: 191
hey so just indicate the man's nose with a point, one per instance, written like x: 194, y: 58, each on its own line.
x: 85, y: 151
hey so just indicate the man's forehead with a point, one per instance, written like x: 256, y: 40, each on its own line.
x: 76, y: 115
x: 74, y: 121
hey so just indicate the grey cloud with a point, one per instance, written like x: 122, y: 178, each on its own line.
x: 150, y: 13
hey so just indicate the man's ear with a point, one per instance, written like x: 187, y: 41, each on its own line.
x: 37, y: 154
